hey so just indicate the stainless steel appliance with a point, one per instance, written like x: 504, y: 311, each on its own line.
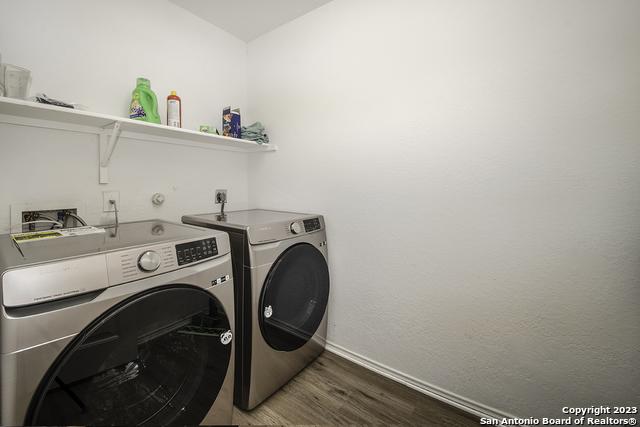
x: 282, y: 290
x: 125, y: 326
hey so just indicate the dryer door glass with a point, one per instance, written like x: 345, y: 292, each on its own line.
x: 294, y: 297
x: 157, y: 358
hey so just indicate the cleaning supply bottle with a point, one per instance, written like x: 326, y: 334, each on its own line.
x: 144, y: 104
x: 174, y: 110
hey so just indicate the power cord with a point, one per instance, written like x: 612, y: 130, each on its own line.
x: 115, y: 211
x: 44, y: 221
x: 67, y: 215
x: 48, y: 218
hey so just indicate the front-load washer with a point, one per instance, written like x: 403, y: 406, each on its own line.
x: 121, y: 326
x: 282, y: 290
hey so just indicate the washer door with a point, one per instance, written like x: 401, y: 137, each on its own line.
x: 158, y: 358
x: 294, y: 297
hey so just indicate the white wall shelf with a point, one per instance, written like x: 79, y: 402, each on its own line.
x: 111, y: 128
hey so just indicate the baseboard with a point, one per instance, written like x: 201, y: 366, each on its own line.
x: 467, y: 405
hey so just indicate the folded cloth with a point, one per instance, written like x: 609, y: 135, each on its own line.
x: 255, y: 133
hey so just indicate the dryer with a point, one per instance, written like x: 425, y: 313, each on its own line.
x: 282, y: 290
x: 121, y: 326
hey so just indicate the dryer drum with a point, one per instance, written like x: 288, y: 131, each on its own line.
x: 294, y: 297
x: 156, y: 358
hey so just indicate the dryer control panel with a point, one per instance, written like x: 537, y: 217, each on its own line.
x: 312, y: 224
x: 196, y: 251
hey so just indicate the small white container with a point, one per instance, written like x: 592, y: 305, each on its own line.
x: 15, y: 81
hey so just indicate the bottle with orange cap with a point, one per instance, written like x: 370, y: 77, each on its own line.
x: 174, y: 110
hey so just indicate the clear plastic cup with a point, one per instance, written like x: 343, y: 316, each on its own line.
x: 15, y: 80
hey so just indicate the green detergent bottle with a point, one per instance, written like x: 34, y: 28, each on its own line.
x: 144, y: 104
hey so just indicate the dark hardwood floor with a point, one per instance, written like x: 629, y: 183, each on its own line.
x: 334, y: 390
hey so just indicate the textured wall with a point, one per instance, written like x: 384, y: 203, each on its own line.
x: 41, y: 166
x: 91, y: 52
x: 478, y: 164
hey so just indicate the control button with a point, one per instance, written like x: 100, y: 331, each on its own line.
x: 295, y: 228
x: 149, y: 261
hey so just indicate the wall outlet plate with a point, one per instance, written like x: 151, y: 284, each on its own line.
x: 221, y: 196
x: 110, y: 195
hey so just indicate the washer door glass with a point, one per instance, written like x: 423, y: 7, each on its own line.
x: 158, y: 358
x: 294, y: 297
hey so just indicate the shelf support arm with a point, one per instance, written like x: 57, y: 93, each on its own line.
x: 106, y: 148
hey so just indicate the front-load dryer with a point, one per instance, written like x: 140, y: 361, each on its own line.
x: 130, y: 325
x: 282, y: 290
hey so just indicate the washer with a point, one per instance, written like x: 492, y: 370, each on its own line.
x: 121, y: 326
x: 282, y: 291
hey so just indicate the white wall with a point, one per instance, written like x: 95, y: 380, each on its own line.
x: 91, y: 52
x: 478, y: 164
x: 41, y: 166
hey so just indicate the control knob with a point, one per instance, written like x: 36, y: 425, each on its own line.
x: 295, y: 228
x: 149, y: 261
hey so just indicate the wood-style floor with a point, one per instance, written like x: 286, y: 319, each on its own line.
x: 334, y: 390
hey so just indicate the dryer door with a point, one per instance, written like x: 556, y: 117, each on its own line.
x: 294, y: 297
x: 157, y: 358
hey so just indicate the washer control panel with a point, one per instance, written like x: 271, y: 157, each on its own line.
x: 312, y: 224
x: 279, y: 230
x: 196, y: 251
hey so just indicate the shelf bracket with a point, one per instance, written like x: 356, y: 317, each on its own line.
x: 107, y: 145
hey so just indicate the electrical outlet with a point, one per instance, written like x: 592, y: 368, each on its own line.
x: 221, y: 196
x: 110, y: 195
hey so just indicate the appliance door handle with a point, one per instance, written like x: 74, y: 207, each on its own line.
x: 101, y: 339
x: 44, y: 307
